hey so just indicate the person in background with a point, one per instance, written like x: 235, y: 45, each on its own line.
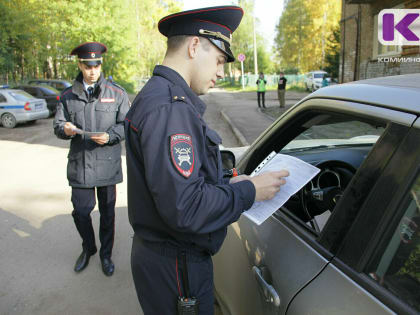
x: 261, y: 82
x: 93, y: 104
x: 281, y: 90
x: 325, y: 81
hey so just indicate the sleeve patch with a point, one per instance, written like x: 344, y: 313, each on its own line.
x: 182, y: 154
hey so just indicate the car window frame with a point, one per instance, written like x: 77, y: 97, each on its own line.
x: 4, y: 97
x: 357, y: 251
x: 327, y: 242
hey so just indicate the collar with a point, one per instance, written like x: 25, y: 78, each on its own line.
x: 78, y: 87
x: 86, y: 86
x: 176, y: 79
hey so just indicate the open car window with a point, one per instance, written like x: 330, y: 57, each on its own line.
x: 337, y: 144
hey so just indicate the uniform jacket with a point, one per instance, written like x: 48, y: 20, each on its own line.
x: 90, y: 164
x: 187, y: 207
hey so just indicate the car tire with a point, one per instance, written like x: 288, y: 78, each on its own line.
x: 8, y: 120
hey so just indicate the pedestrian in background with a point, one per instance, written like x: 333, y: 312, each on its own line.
x: 93, y: 104
x: 281, y: 90
x: 325, y: 81
x: 179, y: 204
x: 261, y: 82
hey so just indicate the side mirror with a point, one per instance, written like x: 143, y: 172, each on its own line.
x: 228, y: 159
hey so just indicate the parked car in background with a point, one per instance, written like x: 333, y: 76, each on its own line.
x: 59, y: 85
x: 46, y: 92
x: 349, y: 241
x: 313, y: 80
x: 17, y: 106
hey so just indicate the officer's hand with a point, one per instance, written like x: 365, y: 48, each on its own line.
x: 69, y: 129
x: 268, y: 184
x: 239, y: 178
x: 101, y: 139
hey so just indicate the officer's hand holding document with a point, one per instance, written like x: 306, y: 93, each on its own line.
x: 300, y: 173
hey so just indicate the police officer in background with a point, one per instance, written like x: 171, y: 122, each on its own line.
x: 93, y: 104
x: 179, y: 205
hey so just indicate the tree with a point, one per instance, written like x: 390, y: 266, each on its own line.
x: 332, y: 57
x: 302, y: 33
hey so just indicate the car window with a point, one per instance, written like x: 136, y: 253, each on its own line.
x: 31, y: 90
x: 48, y: 91
x: 398, y: 267
x: 337, y: 144
x: 318, y: 75
x: 2, y: 98
x: 60, y: 86
x: 21, y: 95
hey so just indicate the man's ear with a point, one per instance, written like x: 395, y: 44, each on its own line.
x: 193, y: 46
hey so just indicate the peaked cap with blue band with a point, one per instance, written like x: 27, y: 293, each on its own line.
x: 90, y: 53
x: 215, y: 23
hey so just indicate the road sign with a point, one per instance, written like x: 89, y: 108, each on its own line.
x: 241, y: 57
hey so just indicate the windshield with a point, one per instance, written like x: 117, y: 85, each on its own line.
x: 325, y: 131
x: 49, y: 91
x: 318, y: 75
x: 21, y: 95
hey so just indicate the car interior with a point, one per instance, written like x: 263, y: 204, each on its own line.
x: 335, y: 143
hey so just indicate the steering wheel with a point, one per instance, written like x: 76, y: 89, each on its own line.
x: 325, y: 190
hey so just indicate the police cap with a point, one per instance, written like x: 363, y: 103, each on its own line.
x: 90, y: 53
x: 215, y: 23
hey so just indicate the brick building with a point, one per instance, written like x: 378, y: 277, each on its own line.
x: 362, y: 56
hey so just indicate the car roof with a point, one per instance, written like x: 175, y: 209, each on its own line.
x: 401, y: 92
x: 40, y: 86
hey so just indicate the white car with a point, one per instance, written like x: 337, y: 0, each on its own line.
x: 17, y: 106
x: 313, y: 80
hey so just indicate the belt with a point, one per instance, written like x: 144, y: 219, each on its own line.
x: 168, y: 250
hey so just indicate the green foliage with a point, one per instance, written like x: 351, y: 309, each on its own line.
x: 36, y: 37
x: 332, y: 57
x: 302, y: 33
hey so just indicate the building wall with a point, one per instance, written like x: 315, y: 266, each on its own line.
x: 360, y: 61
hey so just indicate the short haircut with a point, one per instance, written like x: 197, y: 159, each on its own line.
x: 175, y: 42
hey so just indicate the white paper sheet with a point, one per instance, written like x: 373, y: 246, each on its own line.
x: 300, y: 173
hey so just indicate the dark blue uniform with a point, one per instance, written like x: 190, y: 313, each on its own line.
x: 177, y: 198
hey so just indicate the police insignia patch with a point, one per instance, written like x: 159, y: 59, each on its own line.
x: 182, y: 153
x: 93, y: 55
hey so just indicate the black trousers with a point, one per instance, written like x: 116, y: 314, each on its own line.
x: 83, y: 200
x: 261, y: 95
x: 157, y: 274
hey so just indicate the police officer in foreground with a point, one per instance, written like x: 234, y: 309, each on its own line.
x: 179, y: 205
x: 93, y: 104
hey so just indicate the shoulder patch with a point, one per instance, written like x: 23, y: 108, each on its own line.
x: 182, y: 154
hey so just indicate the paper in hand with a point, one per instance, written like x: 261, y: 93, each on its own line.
x: 300, y: 173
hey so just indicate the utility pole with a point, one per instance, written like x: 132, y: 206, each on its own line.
x: 255, y: 45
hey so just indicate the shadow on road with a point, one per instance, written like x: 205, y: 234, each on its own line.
x: 37, y: 268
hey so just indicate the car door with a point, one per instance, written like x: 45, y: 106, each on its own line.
x: 377, y: 268
x: 284, y: 253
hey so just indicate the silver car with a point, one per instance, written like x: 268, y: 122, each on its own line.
x: 17, y: 106
x: 349, y: 241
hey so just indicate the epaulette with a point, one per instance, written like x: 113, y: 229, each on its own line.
x: 177, y: 94
x: 66, y: 91
x: 117, y: 85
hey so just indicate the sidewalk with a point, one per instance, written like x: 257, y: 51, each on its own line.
x: 247, y: 121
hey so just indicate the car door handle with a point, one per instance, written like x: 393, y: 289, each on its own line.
x: 267, y: 289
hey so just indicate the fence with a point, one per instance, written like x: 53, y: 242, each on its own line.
x: 272, y: 80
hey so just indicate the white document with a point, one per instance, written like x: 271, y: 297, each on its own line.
x: 300, y: 173
x: 88, y: 133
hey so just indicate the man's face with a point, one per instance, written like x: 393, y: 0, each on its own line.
x: 90, y: 73
x: 208, y: 67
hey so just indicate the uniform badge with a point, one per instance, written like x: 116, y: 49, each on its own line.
x: 182, y: 154
x: 92, y: 55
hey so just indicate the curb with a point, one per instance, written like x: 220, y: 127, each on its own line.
x: 235, y: 130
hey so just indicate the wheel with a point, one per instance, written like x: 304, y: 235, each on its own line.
x: 8, y: 120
